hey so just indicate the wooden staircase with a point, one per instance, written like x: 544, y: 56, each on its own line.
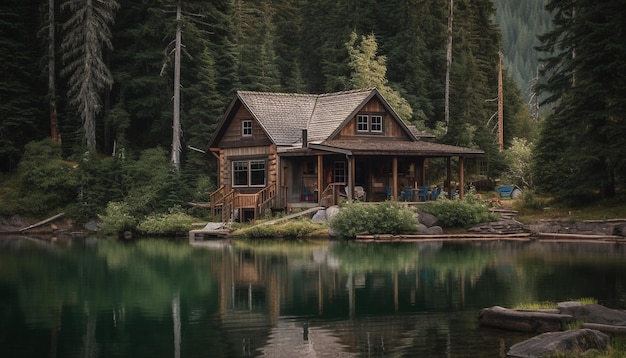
x: 225, y: 201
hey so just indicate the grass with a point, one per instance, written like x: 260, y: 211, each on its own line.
x: 614, y: 208
x: 552, y: 305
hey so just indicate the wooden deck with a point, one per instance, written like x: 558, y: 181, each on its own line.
x: 211, y: 231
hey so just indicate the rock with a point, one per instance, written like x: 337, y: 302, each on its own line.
x: 331, y: 211
x: 427, y: 219
x: 522, y: 320
x: 420, y: 228
x: 319, y: 216
x: 579, y: 341
x: 91, y: 225
x: 594, y: 313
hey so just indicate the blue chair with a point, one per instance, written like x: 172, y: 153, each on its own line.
x: 422, y: 193
x: 435, y: 194
x: 406, y: 194
x: 388, y: 192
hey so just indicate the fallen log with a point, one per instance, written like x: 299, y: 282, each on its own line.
x: 43, y: 222
x: 523, y: 321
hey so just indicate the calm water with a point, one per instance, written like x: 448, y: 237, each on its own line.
x: 159, y: 298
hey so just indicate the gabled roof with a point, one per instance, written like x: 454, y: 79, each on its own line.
x: 283, y: 116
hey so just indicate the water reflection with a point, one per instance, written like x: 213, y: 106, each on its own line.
x: 159, y: 298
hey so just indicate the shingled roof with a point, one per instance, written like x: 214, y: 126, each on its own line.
x: 284, y: 115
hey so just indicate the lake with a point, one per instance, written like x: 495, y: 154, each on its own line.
x: 165, y: 298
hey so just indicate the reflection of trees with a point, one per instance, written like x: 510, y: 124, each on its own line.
x: 105, y: 282
x: 360, y: 258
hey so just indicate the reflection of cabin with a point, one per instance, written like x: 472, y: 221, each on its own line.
x: 280, y: 150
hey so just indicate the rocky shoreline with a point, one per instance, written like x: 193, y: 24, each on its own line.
x: 595, y: 321
x: 564, y: 229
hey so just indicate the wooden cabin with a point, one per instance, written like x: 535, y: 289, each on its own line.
x: 285, y: 150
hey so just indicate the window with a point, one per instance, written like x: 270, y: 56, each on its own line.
x: 361, y: 123
x: 377, y: 124
x: 249, y: 173
x: 484, y: 168
x: 339, y: 172
x: 246, y: 128
x: 369, y: 123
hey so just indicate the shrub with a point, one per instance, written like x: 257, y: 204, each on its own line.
x: 43, y: 182
x: 529, y: 200
x: 175, y: 222
x: 292, y: 229
x: 388, y: 217
x: 460, y: 213
x: 117, y: 218
x: 258, y: 232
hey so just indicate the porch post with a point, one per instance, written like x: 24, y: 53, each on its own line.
x: 350, y: 183
x: 461, y: 177
x: 394, y: 170
x: 448, y: 177
x: 320, y: 178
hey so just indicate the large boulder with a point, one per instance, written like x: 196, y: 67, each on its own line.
x: 320, y: 216
x: 427, y: 219
x: 593, y: 313
x: 574, y: 342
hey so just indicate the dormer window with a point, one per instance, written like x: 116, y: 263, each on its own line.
x: 362, y: 122
x: 377, y: 124
x: 369, y: 123
x: 246, y: 128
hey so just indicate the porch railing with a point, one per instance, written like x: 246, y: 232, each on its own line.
x: 330, y: 195
x: 230, y: 200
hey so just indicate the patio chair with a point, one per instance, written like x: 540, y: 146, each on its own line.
x: 388, y: 192
x: 422, y: 193
x: 435, y: 193
x: 359, y: 193
x: 406, y: 194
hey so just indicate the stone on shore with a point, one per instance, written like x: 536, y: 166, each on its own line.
x: 579, y: 341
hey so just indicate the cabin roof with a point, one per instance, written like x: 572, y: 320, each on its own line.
x: 283, y: 116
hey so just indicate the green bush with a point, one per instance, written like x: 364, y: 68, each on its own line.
x: 529, y: 200
x: 460, y: 213
x: 117, y: 218
x: 258, y: 232
x: 292, y: 229
x: 175, y: 222
x: 44, y: 183
x: 388, y: 217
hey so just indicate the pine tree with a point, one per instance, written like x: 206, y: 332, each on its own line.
x: 589, y: 93
x: 22, y: 92
x: 86, y: 31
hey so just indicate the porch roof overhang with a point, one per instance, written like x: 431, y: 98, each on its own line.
x: 385, y: 147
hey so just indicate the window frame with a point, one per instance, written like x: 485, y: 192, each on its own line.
x: 247, y: 166
x: 379, y: 124
x: 360, y: 123
x: 370, y: 123
x: 246, y: 128
x: 339, y: 172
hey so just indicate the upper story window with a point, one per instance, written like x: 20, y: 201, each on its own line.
x: 362, y: 122
x: 246, y: 128
x: 369, y: 123
x: 377, y: 124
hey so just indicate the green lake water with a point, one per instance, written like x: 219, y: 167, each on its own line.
x: 166, y: 298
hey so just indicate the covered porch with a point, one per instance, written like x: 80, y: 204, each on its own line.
x: 322, y: 174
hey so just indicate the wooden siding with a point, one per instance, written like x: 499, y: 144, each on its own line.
x: 233, y: 135
x: 227, y: 155
x: 391, y: 129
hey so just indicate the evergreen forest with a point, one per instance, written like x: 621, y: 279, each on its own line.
x: 118, y: 85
